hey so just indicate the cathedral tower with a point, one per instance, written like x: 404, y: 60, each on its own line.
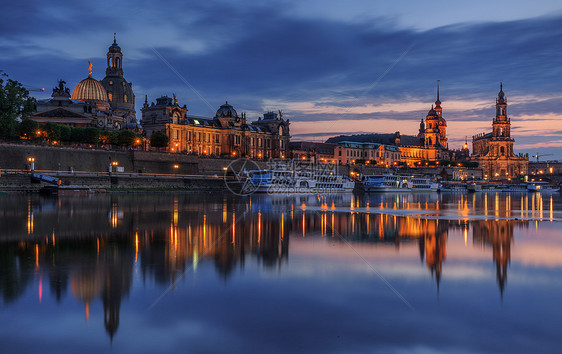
x: 119, y: 91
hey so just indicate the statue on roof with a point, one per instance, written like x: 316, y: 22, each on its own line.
x: 61, y: 90
x: 280, y: 114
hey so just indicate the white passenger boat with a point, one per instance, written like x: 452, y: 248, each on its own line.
x: 542, y: 187
x: 291, y: 181
x: 386, y: 183
x: 399, y: 183
x: 423, y: 184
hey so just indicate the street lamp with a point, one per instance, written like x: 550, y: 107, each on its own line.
x: 31, y: 161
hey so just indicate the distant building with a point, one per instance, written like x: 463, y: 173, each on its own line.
x: 321, y: 152
x: 494, y: 151
x: 545, y: 168
x: 106, y: 104
x: 429, y: 145
x: 226, y: 134
x: 380, y: 154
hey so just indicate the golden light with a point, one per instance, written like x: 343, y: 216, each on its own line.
x: 137, y: 141
x: 31, y: 159
x: 304, y: 157
x: 259, y: 155
x: 176, y: 166
x: 550, y: 170
x: 234, y: 153
x: 282, y: 156
x: 115, y: 163
x: 367, y: 162
x: 224, y: 168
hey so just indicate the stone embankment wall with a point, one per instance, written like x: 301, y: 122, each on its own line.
x: 49, y: 158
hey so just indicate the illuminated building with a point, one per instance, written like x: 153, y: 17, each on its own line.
x: 429, y: 145
x: 307, y: 150
x: 228, y: 133
x: 106, y: 104
x: 349, y: 152
x: 494, y: 151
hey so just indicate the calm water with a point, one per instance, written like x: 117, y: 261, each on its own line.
x: 219, y: 273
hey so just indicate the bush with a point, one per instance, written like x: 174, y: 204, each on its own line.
x: 28, y: 129
x: 126, y: 138
x: 159, y: 139
x: 52, y: 131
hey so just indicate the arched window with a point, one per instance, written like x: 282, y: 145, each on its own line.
x: 125, y: 98
x: 110, y: 96
x: 502, y: 150
x: 117, y: 62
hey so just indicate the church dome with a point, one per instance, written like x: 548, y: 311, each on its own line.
x: 89, y: 90
x: 226, y: 111
x: 431, y: 112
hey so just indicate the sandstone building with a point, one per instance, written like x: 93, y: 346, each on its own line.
x: 226, y: 134
x: 494, y: 151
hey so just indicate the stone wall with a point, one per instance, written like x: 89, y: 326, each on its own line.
x: 14, y: 156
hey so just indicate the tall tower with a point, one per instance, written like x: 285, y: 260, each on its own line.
x: 442, y: 123
x: 431, y: 128
x: 501, y: 125
x: 114, y: 59
x: 119, y: 91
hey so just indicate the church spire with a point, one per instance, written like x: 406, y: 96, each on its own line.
x: 438, y: 102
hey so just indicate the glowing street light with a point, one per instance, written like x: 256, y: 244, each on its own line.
x: 31, y: 161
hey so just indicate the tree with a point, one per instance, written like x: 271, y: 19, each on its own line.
x: 15, y: 104
x: 109, y: 137
x: 126, y: 138
x: 91, y: 135
x: 65, y: 132
x: 159, y: 139
x: 52, y: 131
x: 28, y: 129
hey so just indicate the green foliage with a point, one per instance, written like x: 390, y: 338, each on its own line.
x: 15, y: 104
x: 77, y: 134
x: 52, y: 131
x: 109, y: 137
x: 159, y: 139
x: 28, y: 129
x: 65, y: 133
x: 91, y: 135
x: 126, y: 138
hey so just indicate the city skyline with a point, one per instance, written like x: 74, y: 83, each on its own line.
x: 331, y: 69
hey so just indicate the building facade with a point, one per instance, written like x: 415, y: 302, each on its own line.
x: 307, y: 150
x: 226, y: 134
x: 347, y: 152
x: 494, y: 151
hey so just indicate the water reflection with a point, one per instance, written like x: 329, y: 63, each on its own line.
x: 93, y: 245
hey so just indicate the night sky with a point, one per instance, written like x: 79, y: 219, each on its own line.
x: 332, y: 67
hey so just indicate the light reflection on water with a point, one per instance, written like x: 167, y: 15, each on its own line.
x: 280, y: 267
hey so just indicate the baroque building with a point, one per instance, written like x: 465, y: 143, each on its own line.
x: 429, y: 145
x: 226, y: 134
x: 494, y: 151
x: 106, y: 104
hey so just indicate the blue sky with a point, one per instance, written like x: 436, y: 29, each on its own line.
x: 333, y: 67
